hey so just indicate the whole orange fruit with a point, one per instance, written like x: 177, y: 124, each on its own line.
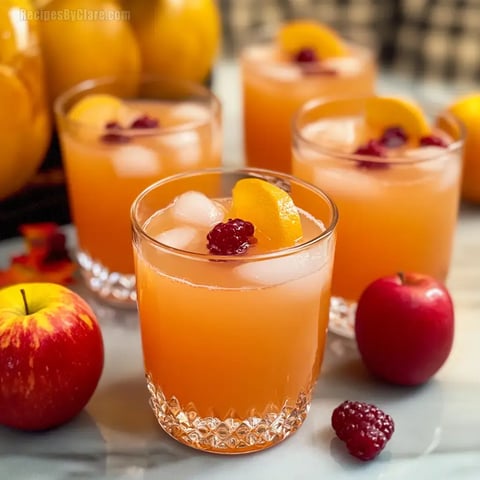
x: 177, y: 38
x: 467, y: 110
x: 85, y: 39
x: 25, y: 124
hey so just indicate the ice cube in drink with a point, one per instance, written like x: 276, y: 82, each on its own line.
x: 397, y: 190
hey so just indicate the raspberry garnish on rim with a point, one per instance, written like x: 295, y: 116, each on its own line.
x: 310, y: 63
x: 394, y: 137
x: 113, y: 125
x: 372, y: 148
x: 272, y: 217
x: 433, y: 140
x: 233, y: 237
x: 114, y: 138
x: 145, y: 121
x: 305, y: 55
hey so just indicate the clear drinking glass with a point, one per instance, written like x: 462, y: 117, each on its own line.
x: 232, y: 345
x: 108, y: 167
x: 397, y: 213
x: 274, y: 89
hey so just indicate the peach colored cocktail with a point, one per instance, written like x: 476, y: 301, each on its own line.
x: 395, y: 178
x: 278, y: 77
x: 232, y: 339
x: 115, y: 147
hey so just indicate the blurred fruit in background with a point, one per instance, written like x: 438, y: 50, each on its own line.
x: 84, y: 39
x: 48, y: 46
x: 177, y: 38
x: 467, y: 109
x: 25, y: 125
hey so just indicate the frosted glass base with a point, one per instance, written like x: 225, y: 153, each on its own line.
x: 231, y: 435
x: 342, y: 317
x: 113, y: 287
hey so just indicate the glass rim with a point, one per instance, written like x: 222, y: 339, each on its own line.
x: 261, y: 173
x: 59, y: 105
x: 366, y: 54
x: 393, y: 160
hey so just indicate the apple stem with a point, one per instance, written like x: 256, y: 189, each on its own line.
x: 24, y: 296
x: 401, y: 276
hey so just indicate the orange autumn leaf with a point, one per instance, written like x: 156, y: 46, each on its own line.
x: 46, y: 258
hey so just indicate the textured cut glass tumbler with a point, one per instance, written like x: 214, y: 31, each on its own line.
x: 162, y: 127
x: 397, y: 212
x: 274, y: 88
x: 233, y: 344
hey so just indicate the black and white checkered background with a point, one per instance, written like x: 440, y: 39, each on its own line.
x: 427, y: 39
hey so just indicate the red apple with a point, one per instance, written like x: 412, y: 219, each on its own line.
x: 51, y: 355
x: 404, y: 327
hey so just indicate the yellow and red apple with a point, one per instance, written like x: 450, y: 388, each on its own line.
x: 51, y: 355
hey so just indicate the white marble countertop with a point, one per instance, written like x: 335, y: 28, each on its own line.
x: 437, y: 425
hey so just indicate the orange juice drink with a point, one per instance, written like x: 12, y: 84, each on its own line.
x: 233, y: 298
x: 305, y: 61
x: 395, y: 177
x: 115, y: 147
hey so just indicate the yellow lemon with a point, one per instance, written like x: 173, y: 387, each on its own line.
x: 296, y: 35
x: 270, y: 209
x: 382, y: 112
x: 467, y: 110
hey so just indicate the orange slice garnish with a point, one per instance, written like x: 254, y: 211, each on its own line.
x: 270, y: 209
x: 97, y: 110
x: 383, y: 112
x: 297, y: 35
